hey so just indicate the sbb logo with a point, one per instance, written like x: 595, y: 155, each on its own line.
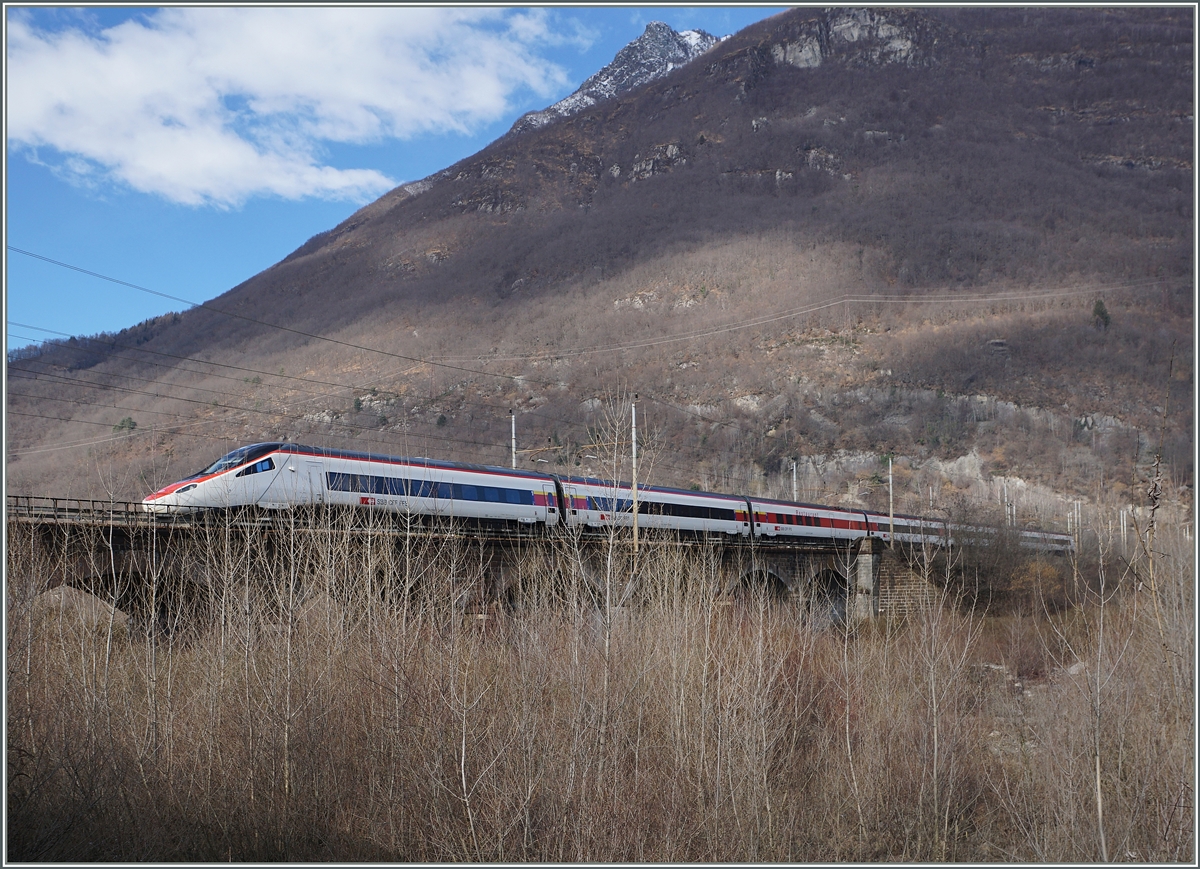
x: 370, y: 502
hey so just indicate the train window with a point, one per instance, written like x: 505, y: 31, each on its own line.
x: 687, y: 511
x: 257, y: 468
x: 661, y: 508
x: 609, y: 505
x: 372, y: 485
x: 239, y: 457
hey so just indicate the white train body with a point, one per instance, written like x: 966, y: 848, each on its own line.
x: 280, y: 476
x: 785, y: 519
x: 597, y: 503
x: 284, y: 475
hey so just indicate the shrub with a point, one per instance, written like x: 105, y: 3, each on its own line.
x: 346, y: 695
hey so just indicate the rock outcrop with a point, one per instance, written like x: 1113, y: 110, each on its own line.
x: 652, y: 55
x: 76, y: 612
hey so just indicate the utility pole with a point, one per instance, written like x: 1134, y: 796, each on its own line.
x: 513, y: 418
x: 795, y: 496
x: 891, y: 507
x: 633, y: 407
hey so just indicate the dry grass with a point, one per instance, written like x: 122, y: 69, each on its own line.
x: 328, y: 701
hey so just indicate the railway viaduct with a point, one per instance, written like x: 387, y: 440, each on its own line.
x: 130, y: 557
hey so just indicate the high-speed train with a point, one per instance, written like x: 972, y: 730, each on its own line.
x: 285, y: 475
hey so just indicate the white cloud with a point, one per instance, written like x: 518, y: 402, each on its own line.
x: 216, y: 105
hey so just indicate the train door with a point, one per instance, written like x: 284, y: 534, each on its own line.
x: 315, y: 482
x: 280, y: 492
x: 571, y: 504
x: 298, y: 482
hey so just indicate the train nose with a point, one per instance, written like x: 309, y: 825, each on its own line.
x: 167, y: 498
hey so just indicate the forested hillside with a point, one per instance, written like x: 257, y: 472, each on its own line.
x: 961, y: 237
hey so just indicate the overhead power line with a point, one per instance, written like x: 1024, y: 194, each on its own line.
x: 241, y: 410
x: 757, y: 321
x: 939, y: 296
x: 362, y: 387
x: 310, y: 335
x: 845, y: 299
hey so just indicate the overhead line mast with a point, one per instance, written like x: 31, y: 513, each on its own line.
x: 633, y: 408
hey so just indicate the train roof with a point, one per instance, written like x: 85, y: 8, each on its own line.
x: 663, y: 490
x: 411, y: 461
x: 858, y: 510
x: 779, y: 502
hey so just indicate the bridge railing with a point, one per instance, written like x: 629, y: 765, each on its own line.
x: 70, y: 509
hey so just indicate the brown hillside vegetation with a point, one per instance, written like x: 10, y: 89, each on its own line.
x: 334, y: 701
x: 969, y: 182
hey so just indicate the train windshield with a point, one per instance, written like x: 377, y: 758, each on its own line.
x: 238, y: 457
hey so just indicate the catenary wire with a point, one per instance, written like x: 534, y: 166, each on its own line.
x: 750, y: 323
x: 693, y: 335
x: 310, y: 335
x: 424, y: 437
x: 257, y: 372
x: 163, y: 393
x: 247, y: 410
x: 243, y: 411
x: 767, y: 319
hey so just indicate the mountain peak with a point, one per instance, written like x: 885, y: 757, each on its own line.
x: 652, y: 55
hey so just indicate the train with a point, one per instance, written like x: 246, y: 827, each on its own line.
x: 280, y: 476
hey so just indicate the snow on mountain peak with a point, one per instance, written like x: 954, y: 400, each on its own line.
x: 652, y: 55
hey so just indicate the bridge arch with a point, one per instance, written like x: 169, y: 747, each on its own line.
x: 827, y: 597
x: 763, y: 581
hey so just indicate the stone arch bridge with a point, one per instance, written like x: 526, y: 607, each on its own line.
x: 132, y: 557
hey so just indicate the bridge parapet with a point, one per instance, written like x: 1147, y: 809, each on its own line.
x: 73, y: 510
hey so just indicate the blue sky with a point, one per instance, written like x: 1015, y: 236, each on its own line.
x: 186, y: 149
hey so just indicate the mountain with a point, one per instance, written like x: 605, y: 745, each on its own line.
x: 833, y: 235
x: 651, y: 56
